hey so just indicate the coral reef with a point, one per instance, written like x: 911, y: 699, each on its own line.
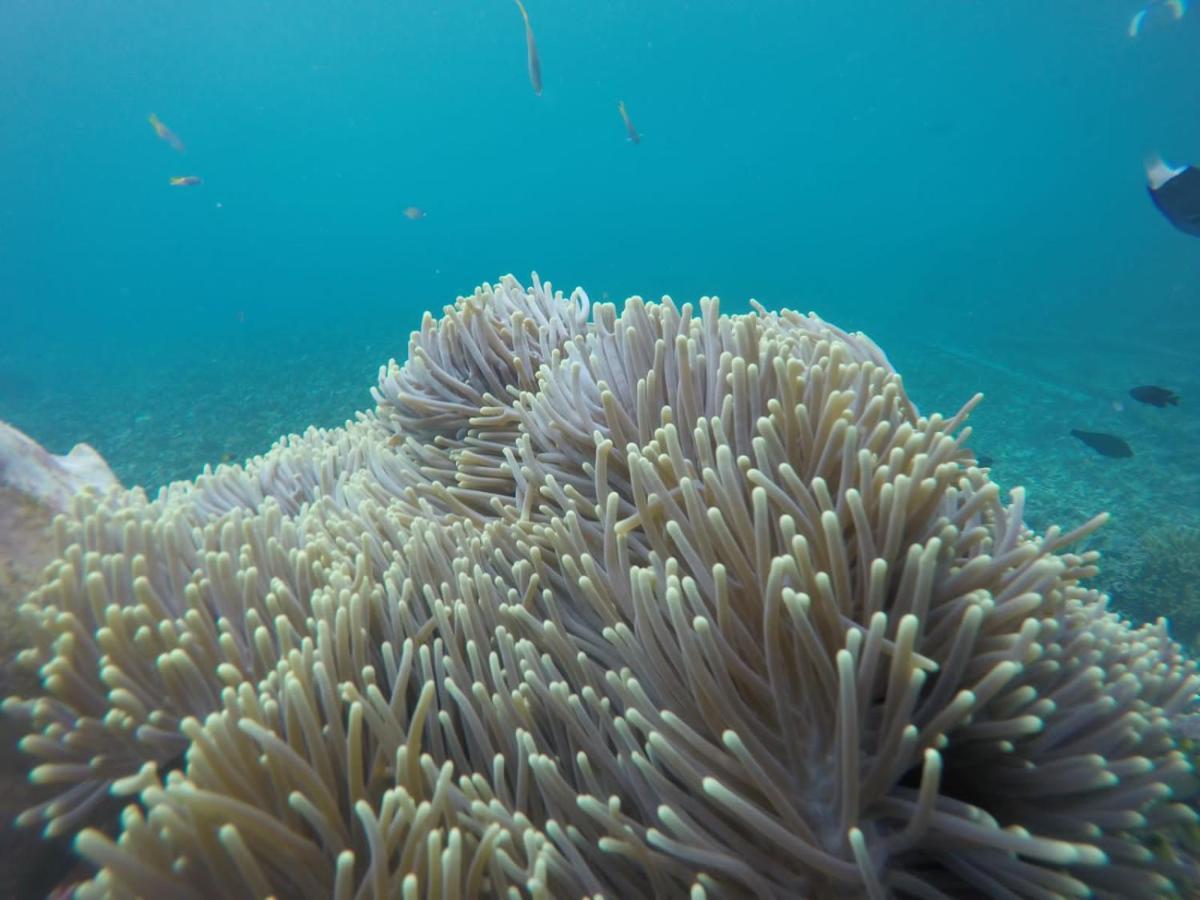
x: 637, y: 603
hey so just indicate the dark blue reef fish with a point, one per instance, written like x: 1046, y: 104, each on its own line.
x: 1153, y: 395
x: 1176, y: 193
x: 1104, y: 444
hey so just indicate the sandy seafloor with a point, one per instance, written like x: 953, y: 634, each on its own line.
x: 1034, y: 394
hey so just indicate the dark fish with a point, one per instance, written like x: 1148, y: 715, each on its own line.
x: 983, y: 461
x: 1176, y: 193
x: 1155, y: 396
x: 1104, y: 444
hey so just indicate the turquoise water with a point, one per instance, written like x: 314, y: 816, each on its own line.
x: 963, y: 181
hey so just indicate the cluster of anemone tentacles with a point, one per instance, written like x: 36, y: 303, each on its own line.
x: 650, y: 602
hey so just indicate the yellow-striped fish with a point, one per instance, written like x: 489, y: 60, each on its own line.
x: 165, y: 133
x: 629, y: 129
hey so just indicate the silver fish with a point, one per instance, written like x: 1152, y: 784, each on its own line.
x: 535, y: 67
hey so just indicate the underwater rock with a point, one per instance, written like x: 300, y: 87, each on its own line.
x: 28, y: 468
x: 35, y: 486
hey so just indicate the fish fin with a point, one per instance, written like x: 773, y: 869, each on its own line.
x: 1159, y: 173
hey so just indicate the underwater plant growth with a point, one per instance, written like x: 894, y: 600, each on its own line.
x: 641, y: 602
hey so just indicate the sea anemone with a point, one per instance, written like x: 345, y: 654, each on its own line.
x: 655, y: 602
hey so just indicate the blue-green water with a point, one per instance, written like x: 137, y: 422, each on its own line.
x: 949, y: 175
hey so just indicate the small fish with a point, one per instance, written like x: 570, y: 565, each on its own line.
x: 186, y: 180
x: 1154, y: 396
x: 983, y: 461
x: 414, y: 212
x: 535, y: 67
x: 1176, y: 193
x: 629, y: 129
x: 1176, y: 7
x: 1104, y: 444
x: 165, y: 133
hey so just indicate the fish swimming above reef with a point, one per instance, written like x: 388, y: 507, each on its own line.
x: 1176, y: 193
x: 186, y: 181
x: 1104, y: 444
x: 634, y: 137
x: 414, y: 213
x: 535, y: 65
x: 165, y: 133
x: 1154, y: 396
